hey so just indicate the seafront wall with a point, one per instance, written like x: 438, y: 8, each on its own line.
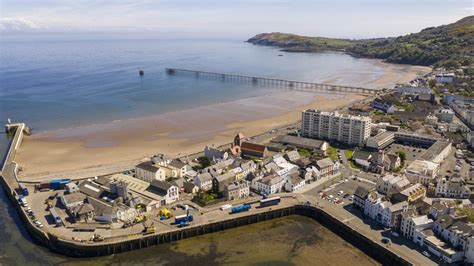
x: 76, y: 249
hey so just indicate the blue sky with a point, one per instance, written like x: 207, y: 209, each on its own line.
x: 336, y: 18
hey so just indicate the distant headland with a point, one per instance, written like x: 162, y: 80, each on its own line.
x: 449, y: 46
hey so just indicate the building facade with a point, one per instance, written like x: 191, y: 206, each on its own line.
x: 347, y: 129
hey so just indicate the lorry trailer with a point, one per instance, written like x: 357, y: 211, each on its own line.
x: 185, y: 218
x: 269, y: 202
x: 240, y: 208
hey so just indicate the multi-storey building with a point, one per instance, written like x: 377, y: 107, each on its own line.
x: 348, y: 129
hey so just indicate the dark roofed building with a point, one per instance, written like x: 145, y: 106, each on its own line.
x: 318, y: 146
x: 253, y: 150
x: 159, y: 187
x: 83, y: 213
x: 148, y: 166
x: 190, y: 188
x: 168, y: 192
x: 360, y: 195
x: 91, y: 189
x: 176, y: 164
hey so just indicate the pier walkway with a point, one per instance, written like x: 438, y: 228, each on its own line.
x: 293, y: 84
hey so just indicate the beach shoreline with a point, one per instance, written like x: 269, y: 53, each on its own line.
x: 175, y: 133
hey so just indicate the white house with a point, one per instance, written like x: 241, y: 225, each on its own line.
x: 390, y: 184
x: 294, y: 182
x: 179, y: 167
x: 203, y: 181
x: 455, y: 187
x: 168, y: 192
x: 270, y: 184
x: 411, y: 225
x: 148, y: 172
x: 72, y: 200
x: 421, y: 171
x: 214, y: 153
x: 374, y: 205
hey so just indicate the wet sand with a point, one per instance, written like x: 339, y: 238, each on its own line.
x: 174, y: 133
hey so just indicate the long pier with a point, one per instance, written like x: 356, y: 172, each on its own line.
x: 293, y: 84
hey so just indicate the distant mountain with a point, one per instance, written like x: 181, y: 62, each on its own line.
x: 450, y: 46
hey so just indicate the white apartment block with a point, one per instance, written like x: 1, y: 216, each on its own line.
x: 348, y: 129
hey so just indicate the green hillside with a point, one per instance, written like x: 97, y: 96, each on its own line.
x: 450, y: 46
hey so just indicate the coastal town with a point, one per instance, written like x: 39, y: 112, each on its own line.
x: 401, y: 161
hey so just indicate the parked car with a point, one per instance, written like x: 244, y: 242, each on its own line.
x: 426, y: 253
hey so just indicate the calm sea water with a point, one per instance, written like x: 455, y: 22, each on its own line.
x: 59, y: 83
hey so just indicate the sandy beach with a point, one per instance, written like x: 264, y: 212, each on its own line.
x: 174, y: 133
x: 124, y: 142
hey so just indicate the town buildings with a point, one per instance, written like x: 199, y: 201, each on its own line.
x: 422, y: 171
x: 237, y: 190
x: 455, y: 187
x: 347, y: 129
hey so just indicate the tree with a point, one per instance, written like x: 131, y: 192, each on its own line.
x: 204, y: 161
x: 402, y: 156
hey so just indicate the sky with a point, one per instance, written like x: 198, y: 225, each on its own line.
x: 329, y: 18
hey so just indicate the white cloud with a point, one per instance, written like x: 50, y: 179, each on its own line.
x: 18, y: 24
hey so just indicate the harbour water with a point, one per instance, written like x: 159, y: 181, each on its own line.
x: 60, y: 83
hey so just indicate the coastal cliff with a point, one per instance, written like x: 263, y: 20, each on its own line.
x: 449, y: 46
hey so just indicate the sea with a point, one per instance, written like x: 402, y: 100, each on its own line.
x: 54, y: 82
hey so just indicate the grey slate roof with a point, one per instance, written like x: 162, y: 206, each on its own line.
x: 361, y: 192
x: 74, y: 197
x: 177, y: 164
x: 148, y: 166
x: 159, y: 187
x: 323, y: 163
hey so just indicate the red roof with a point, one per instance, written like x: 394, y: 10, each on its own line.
x: 247, y: 146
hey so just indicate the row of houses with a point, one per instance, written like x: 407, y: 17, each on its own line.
x: 398, y: 204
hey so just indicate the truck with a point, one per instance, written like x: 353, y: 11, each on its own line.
x: 57, y: 219
x: 59, y: 183
x: 269, y: 202
x: 183, y: 220
x: 240, y: 208
x: 24, y: 190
